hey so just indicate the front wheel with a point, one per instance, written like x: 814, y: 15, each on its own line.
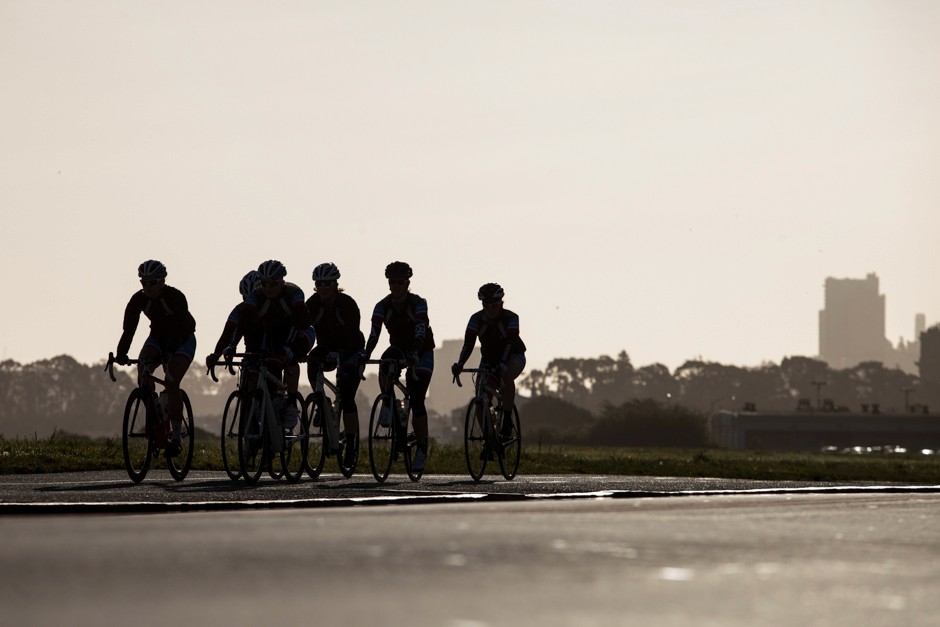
x: 136, y: 443
x: 316, y: 451
x: 294, y: 454
x: 179, y: 465
x: 382, y: 437
x: 476, y: 452
x: 252, y: 440
x: 512, y: 447
x: 230, y: 421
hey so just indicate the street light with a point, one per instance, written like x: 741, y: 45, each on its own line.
x: 818, y: 383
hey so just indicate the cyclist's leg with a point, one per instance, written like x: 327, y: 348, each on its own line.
x: 417, y: 391
x: 514, y: 367
x: 347, y: 380
x: 178, y: 365
x: 148, y: 359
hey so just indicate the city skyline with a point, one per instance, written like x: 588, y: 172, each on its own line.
x: 671, y: 180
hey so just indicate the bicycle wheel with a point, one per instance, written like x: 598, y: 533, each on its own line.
x: 474, y: 439
x: 382, y: 437
x: 136, y: 444
x: 252, y: 441
x: 512, y: 448
x: 230, y: 422
x: 349, y: 443
x: 294, y: 454
x: 179, y: 466
x: 316, y: 451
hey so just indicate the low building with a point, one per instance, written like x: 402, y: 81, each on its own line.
x: 813, y: 431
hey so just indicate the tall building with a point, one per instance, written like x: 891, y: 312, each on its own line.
x: 852, y: 323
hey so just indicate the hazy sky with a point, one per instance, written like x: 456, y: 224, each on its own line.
x: 673, y: 179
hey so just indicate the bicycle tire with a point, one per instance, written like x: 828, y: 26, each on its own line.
x: 136, y: 444
x: 294, y: 453
x: 253, y: 441
x: 229, y: 442
x: 179, y: 466
x: 382, y: 438
x: 512, y: 449
x: 316, y: 451
x: 476, y: 453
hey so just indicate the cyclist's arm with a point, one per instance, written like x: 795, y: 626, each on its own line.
x: 421, y: 323
x: 469, y: 339
x: 378, y: 318
x: 131, y: 320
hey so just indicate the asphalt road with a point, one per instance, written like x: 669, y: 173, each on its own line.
x: 548, y: 550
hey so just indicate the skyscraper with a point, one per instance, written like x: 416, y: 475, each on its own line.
x: 852, y: 323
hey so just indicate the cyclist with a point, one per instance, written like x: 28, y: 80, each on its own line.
x: 230, y: 332
x: 405, y: 315
x: 172, y: 337
x: 501, y: 346
x: 276, y: 311
x: 335, y: 318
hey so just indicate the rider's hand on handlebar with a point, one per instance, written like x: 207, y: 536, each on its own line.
x: 456, y: 369
x: 122, y: 359
x: 211, y: 360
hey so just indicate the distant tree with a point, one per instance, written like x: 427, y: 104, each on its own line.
x: 551, y: 420
x: 587, y: 382
x: 654, y: 382
x: 648, y: 423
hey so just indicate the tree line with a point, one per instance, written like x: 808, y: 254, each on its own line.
x: 601, y: 400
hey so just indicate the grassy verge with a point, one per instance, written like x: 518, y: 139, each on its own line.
x: 70, y: 453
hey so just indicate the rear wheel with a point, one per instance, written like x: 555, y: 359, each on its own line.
x: 410, y: 451
x: 294, y: 456
x: 382, y: 437
x: 179, y: 465
x: 230, y: 422
x: 136, y: 443
x: 474, y: 439
x: 252, y: 441
x: 512, y: 447
x: 316, y: 453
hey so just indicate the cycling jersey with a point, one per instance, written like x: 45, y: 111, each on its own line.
x: 283, y: 320
x: 231, y: 333
x: 336, y: 325
x: 499, y: 337
x: 171, y: 324
x: 407, y: 324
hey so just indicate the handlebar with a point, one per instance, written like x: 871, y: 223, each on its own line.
x: 109, y: 367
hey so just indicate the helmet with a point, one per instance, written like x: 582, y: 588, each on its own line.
x: 272, y: 269
x: 152, y: 268
x: 398, y: 270
x: 490, y: 291
x: 326, y: 272
x: 249, y: 283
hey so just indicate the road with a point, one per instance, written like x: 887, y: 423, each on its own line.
x: 613, y: 551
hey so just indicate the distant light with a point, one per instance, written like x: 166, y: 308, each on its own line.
x: 668, y: 395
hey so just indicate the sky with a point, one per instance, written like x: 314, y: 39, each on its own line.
x: 671, y: 179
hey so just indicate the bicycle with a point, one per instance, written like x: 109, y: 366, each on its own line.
x: 388, y: 424
x: 481, y: 440
x: 326, y: 416
x: 263, y: 442
x: 147, y: 429
x: 230, y: 423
